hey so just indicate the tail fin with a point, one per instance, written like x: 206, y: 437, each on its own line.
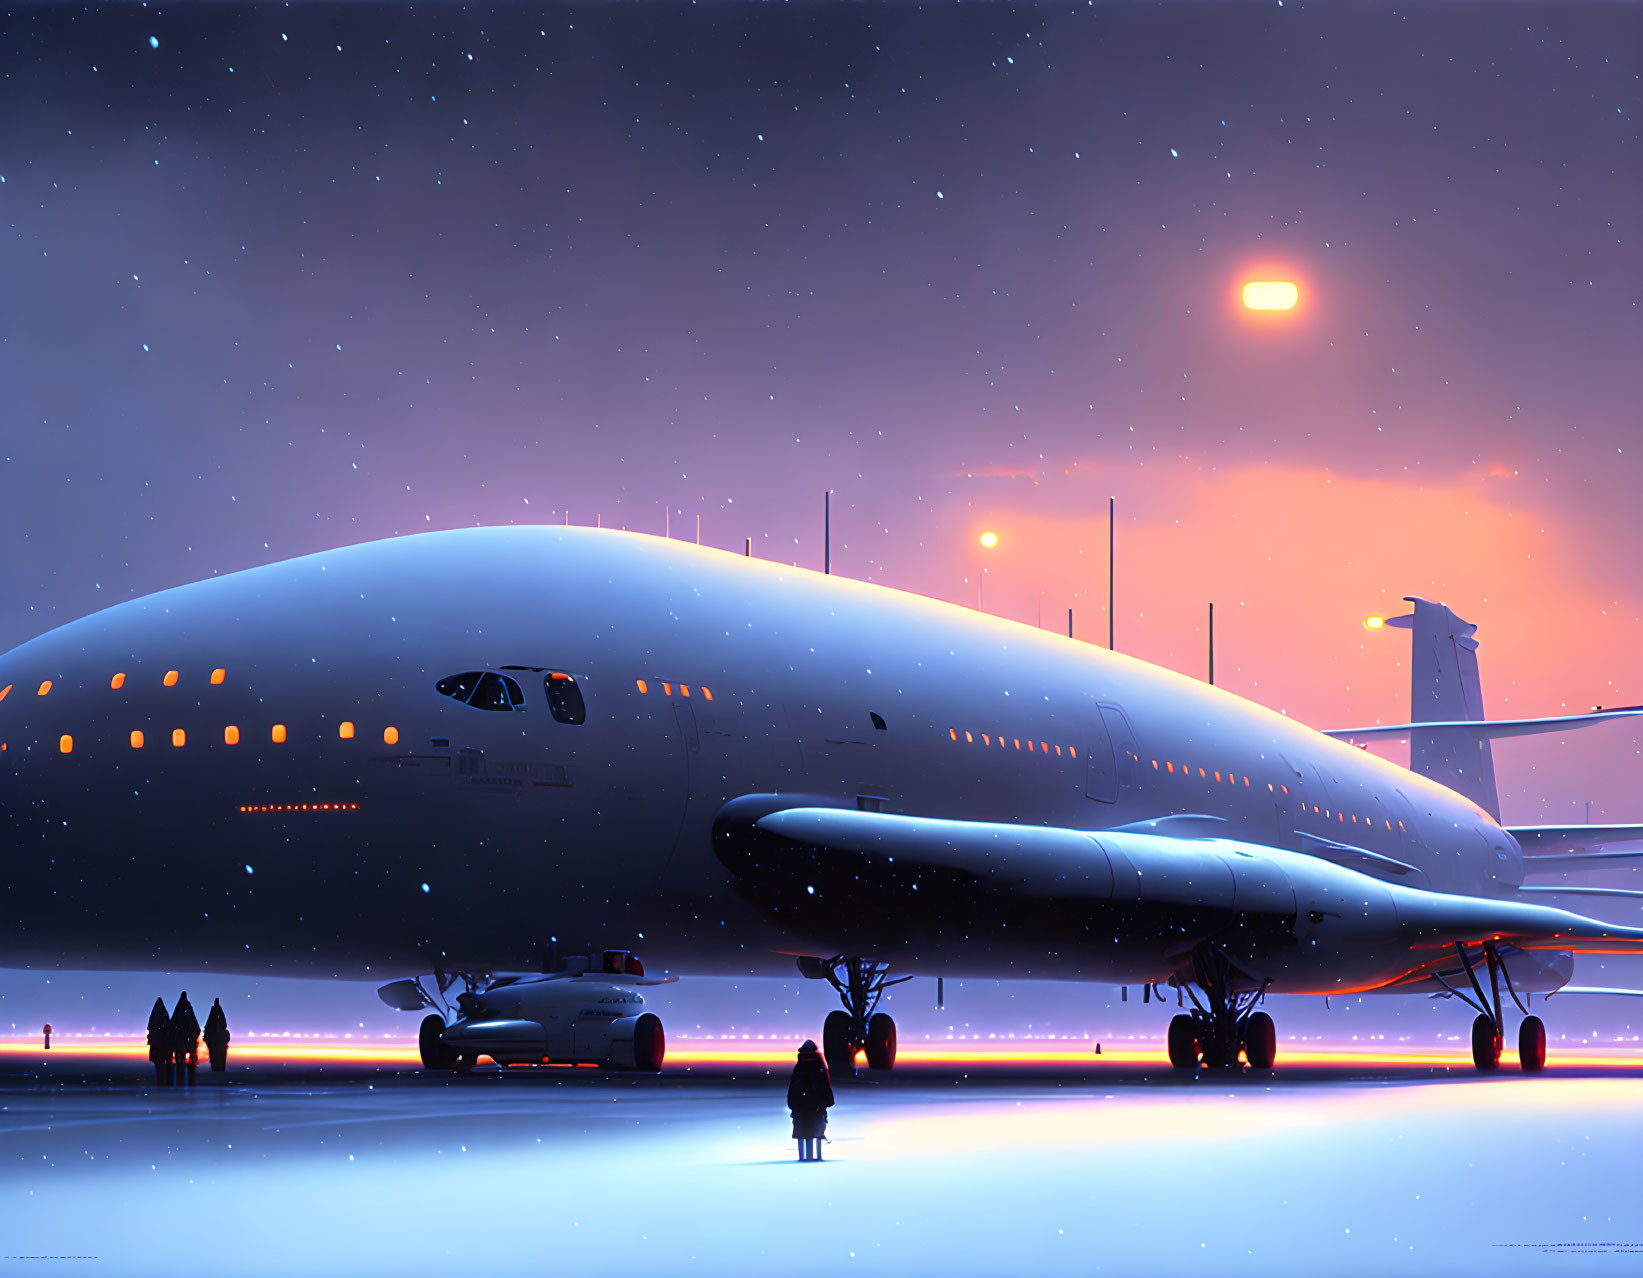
x: 1444, y: 688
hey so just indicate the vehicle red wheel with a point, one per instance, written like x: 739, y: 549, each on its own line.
x: 649, y: 1043
x: 881, y: 1041
x: 436, y: 1053
x: 1531, y: 1044
x: 1183, y: 1042
x: 1485, y: 1043
x: 1260, y: 1041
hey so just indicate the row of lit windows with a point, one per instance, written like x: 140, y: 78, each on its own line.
x: 1232, y: 779
x: 299, y: 807
x: 231, y: 736
x: 119, y: 681
x: 987, y: 739
x: 667, y: 689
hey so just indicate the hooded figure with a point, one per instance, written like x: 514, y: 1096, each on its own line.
x: 809, y: 1094
x: 185, y: 1038
x: 216, y: 1036
x: 159, y: 1043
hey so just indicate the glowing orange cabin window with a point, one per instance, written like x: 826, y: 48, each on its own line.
x: 231, y: 735
x: 44, y: 688
x: 1270, y: 789
x: 1017, y: 741
x: 1217, y: 774
x: 278, y: 735
x: 1203, y: 774
x: 179, y: 738
x: 1029, y: 747
x: 667, y: 689
x: 137, y: 739
x: 345, y: 730
x: 1284, y: 788
x: 1155, y: 765
x: 390, y: 736
x: 65, y: 743
x: 1388, y: 825
x: 1246, y: 783
x: 171, y: 678
x: 968, y: 738
x: 985, y: 739
x: 1042, y: 747
x: 1058, y: 752
x: 1400, y: 825
x: 684, y: 690
x: 1168, y: 766
x: 5, y: 692
x: 707, y: 694
x: 1339, y: 817
x: 1354, y: 818
x: 1073, y: 750
x: 118, y: 681
x: 953, y: 733
x: 642, y: 686
x: 218, y: 675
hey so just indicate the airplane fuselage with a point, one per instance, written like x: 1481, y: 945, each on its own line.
x: 324, y: 805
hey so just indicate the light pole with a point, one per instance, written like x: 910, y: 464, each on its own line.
x: 988, y: 540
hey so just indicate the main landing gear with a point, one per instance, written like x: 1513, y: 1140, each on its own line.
x: 1487, y: 1033
x: 1224, y: 1026
x: 860, y: 1027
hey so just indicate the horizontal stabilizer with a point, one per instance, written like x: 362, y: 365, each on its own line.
x: 1596, y: 989
x: 1559, y: 890
x: 1568, y: 862
x: 1572, y: 838
x: 1487, y: 729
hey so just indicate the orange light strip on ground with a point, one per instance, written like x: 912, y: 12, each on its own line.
x: 734, y: 1052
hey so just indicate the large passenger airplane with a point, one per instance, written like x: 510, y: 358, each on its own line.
x: 469, y: 752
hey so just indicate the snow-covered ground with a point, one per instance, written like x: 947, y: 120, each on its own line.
x: 1117, y: 1168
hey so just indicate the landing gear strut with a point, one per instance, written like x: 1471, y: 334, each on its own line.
x: 1488, y: 1034
x: 860, y: 1026
x: 1224, y: 1024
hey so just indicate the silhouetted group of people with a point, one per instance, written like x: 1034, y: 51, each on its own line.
x: 174, y: 1041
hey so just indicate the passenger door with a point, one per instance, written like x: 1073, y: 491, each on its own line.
x: 1108, y: 761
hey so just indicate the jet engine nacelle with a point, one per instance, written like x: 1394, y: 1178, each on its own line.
x: 565, y: 1020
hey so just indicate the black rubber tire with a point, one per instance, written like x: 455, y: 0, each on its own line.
x: 881, y: 1041
x: 1531, y: 1044
x: 1485, y: 1043
x: 1183, y: 1042
x: 649, y: 1043
x: 1260, y: 1041
x: 436, y: 1053
x: 837, y: 1049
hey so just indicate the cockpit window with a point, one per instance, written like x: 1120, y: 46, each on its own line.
x: 565, y: 698
x: 483, y: 690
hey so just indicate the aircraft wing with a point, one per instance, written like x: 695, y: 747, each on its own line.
x: 1538, y: 840
x: 879, y: 882
x: 1486, y: 729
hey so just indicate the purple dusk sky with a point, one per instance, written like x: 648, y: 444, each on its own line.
x: 281, y: 279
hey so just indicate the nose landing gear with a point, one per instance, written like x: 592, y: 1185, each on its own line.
x: 859, y: 1027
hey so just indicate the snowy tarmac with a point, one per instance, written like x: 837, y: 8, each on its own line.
x: 1113, y: 1168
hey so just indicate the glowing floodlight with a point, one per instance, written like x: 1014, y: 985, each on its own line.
x: 989, y: 539
x: 1374, y: 621
x: 1271, y: 295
